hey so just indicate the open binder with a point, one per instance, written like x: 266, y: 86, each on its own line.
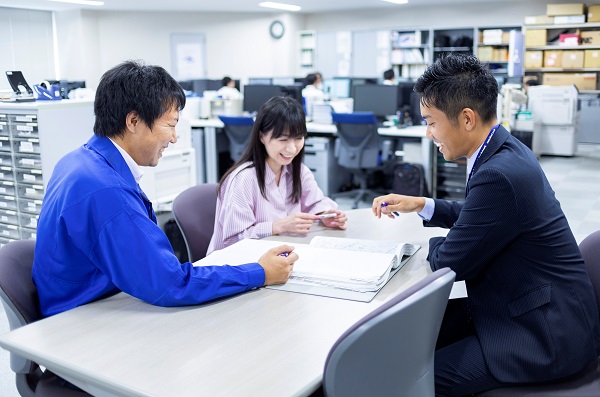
x: 353, y: 269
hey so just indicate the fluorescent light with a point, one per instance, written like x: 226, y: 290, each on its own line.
x: 82, y: 2
x: 279, y: 6
x: 396, y: 1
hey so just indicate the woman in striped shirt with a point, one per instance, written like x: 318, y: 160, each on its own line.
x: 269, y: 190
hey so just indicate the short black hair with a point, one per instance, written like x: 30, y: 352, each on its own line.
x: 458, y: 81
x: 388, y: 74
x: 132, y: 86
x: 310, y: 79
x: 226, y: 80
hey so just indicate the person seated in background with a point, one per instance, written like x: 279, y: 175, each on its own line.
x: 312, y: 93
x: 228, y: 91
x: 389, y: 77
x: 269, y: 190
x: 97, y: 233
x: 531, y: 314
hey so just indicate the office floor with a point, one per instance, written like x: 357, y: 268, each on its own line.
x: 575, y: 180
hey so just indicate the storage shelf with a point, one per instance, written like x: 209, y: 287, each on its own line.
x: 576, y: 70
x: 565, y: 26
x: 450, y: 49
x: 563, y: 47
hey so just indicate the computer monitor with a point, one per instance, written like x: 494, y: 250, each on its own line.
x: 294, y: 91
x: 187, y: 85
x: 356, y: 81
x: 256, y: 95
x: 382, y: 100
x: 260, y: 81
x: 282, y: 81
x: 405, y: 90
x: 338, y: 87
x: 201, y: 85
x: 18, y: 83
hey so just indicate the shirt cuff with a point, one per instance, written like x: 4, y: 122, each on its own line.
x: 256, y: 275
x: 427, y: 212
x: 264, y: 229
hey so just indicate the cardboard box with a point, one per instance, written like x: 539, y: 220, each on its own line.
x: 591, y: 37
x: 539, y: 20
x: 583, y: 81
x: 552, y: 59
x: 535, y: 37
x: 565, y: 19
x: 593, y: 13
x: 572, y: 59
x: 492, y: 36
x: 592, y: 59
x: 501, y: 54
x: 534, y: 59
x: 568, y: 39
x: 485, y: 53
x: 565, y: 9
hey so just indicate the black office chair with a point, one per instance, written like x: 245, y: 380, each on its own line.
x: 587, y: 382
x: 357, y: 148
x: 194, y: 211
x: 390, y: 351
x: 238, y: 130
x: 20, y: 300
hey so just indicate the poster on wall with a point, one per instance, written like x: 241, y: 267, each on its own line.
x: 188, y: 56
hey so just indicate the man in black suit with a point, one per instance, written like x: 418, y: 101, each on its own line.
x: 531, y: 314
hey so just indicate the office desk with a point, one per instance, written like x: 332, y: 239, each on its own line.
x: 264, y: 342
x: 206, y: 134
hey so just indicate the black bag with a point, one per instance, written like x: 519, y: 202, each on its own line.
x: 409, y: 180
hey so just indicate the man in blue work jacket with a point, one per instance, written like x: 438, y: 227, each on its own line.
x: 531, y: 313
x: 97, y: 232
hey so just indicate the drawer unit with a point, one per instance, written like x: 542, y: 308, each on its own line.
x: 24, y: 130
x: 28, y: 220
x: 27, y: 234
x: 8, y: 188
x: 30, y: 176
x: 6, y: 159
x: 30, y: 206
x: 8, y: 203
x: 6, y: 174
x: 26, y: 145
x: 10, y: 231
x: 34, y: 192
x: 11, y: 217
x: 22, y: 118
x: 5, y: 145
x: 4, y: 130
x: 28, y: 161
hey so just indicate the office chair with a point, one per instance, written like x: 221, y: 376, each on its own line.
x: 194, y: 211
x: 20, y: 300
x: 390, y: 351
x: 357, y: 148
x: 587, y: 382
x: 238, y: 130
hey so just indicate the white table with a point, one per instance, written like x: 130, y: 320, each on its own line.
x: 210, y: 127
x: 264, y: 342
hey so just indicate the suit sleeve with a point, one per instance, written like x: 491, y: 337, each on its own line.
x: 483, y: 228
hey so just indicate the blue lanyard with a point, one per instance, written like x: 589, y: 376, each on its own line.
x: 488, y: 139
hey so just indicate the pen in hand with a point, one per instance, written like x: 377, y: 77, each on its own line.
x: 384, y: 204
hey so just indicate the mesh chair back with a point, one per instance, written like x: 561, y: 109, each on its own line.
x: 358, y: 142
x: 238, y: 131
x: 390, y: 351
x: 194, y: 211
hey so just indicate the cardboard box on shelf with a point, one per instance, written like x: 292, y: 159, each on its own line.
x: 534, y: 59
x: 565, y: 9
x: 583, y: 81
x: 500, y: 54
x: 572, y: 59
x: 539, y: 20
x: 492, y: 36
x: 568, y: 39
x: 552, y: 59
x: 535, y: 37
x: 590, y: 37
x: 592, y: 59
x: 564, y: 19
x: 485, y: 53
x: 593, y: 13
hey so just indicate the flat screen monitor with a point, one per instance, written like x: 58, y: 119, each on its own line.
x: 405, y: 90
x: 260, y: 81
x: 18, y: 83
x: 187, y: 85
x: 356, y: 81
x: 337, y: 87
x: 382, y: 100
x: 294, y: 91
x: 201, y: 85
x: 256, y: 95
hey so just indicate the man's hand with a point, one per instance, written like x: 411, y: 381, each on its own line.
x: 278, y: 263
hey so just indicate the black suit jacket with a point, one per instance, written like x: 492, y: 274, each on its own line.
x: 530, y: 298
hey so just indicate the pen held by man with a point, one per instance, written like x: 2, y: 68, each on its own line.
x: 395, y: 203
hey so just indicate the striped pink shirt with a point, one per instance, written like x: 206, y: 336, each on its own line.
x: 242, y: 212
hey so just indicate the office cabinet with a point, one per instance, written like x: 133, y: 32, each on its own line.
x: 501, y: 47
x: 410, y: 52
x: 308, y: 52
x: 449, y: 177
x: 319, y: 158
x: 452, y: 41
x: 33, y: 137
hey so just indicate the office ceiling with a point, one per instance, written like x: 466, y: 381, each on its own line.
x: 308, y: 6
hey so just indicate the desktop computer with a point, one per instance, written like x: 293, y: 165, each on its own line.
x: 337, y: 88
x: 255, y: 95
x: 382, y: 100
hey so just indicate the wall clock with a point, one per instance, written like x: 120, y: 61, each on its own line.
x: 276, y: 29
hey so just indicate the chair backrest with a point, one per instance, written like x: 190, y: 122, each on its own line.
x: 194, y: 211
x: 358, y: 142
x: 590, y: 250
x: 238, y: 130
x: 390, y: 351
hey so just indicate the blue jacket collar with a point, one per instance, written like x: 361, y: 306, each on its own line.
x: 105, y: 148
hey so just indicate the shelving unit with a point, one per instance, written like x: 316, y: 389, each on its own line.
x: 452, y: 40
x: 499, y: 47
x: 410, y: 52
x: 546, y: 57
x: 308, y: 51
x: 449, y: 177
